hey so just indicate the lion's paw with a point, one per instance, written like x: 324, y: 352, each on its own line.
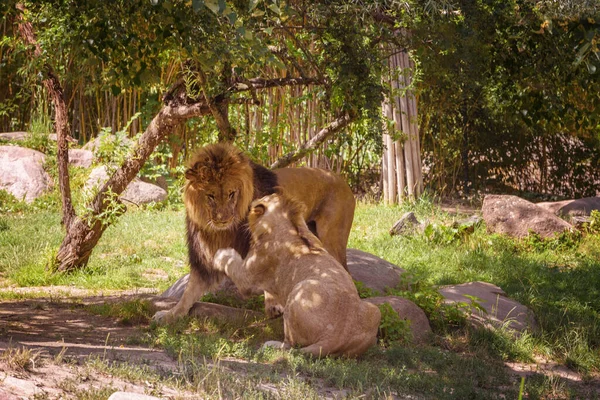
x: 163, y: 317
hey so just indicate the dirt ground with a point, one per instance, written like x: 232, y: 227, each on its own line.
x: 64, y: 337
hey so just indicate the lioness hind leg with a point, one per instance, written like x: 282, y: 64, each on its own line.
x: 195, y: 289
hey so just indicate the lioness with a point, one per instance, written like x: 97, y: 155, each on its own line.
x: 221, y: 183
x: 323, y: 312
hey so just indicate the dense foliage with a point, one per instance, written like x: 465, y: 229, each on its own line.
x: 507, y: 89
x: 509, y: 97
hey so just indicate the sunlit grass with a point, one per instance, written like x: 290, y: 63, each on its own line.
x: 559, y: 281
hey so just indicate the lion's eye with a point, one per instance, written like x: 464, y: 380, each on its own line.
x: 231, y: 195
x: 210, y: 196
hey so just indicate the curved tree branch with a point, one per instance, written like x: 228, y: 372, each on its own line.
x: 314, y: 142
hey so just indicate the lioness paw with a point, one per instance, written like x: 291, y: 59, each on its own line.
x: 223, y: 257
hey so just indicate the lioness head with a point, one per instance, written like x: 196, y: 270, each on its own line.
x: 279, y: 215
x: 219, y: 187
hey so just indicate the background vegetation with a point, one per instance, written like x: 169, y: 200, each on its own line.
x: 507, y: 90
x: 508, y: 97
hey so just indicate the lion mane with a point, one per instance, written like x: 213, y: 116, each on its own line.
x: 222, y: 182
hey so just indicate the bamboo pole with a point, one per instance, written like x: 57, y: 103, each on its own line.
x: 408, y: 154
x: 416, y: 132
x: 400, y: 125
x: 412, y: 115
x: 391, y: 172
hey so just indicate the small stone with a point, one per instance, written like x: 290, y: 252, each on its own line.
x: 131, y: 396
x: 405, y: 225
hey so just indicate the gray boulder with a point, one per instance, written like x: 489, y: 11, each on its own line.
x: 572, y: 208
x: 407, y: 310
x: 22, y: 173
x: 93, y: 144
x: 516, y: 217
x: 80, y: 158
x: 501, y: 311
x: 14, y: 136
x: 374, y: 272
x: 137, y: 192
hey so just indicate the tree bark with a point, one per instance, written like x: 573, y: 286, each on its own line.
x: 314, y: 142
x: 61, y: 124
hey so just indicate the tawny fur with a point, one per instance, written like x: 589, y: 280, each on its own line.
x: 323, y: 312
x: 221, y: 183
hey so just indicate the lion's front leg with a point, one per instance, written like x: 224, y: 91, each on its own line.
x: 195, y: 289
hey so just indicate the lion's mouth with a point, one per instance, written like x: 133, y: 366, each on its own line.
x: 222, y: 225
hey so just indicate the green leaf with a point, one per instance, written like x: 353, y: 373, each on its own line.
x: 275, y: 9
x: 115, y: 90
x: 252, y: 4
x: 212, y: 5
x: 197, y: 4
x: 232, y: 18
x: 222, y: 6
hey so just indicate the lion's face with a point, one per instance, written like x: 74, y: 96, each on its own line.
x: 219, y: 187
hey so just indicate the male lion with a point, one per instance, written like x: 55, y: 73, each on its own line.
x: 323, y: 312
x: 221, y: 183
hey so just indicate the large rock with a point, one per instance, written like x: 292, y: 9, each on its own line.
x: 20, y: 136
x: 22, y: 173
x: 137, y: 192
x: 501, y: 311
x: 572, y: 208
x: 16, y: 136
x: 81, y: 158
x: 374, y: 272
x: 407, y: 310
x: 516, y: 217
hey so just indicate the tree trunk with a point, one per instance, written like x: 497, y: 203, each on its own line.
x: 61, y: 123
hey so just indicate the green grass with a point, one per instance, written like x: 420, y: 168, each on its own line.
x: 558, y: 279
x: 127, y: 256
